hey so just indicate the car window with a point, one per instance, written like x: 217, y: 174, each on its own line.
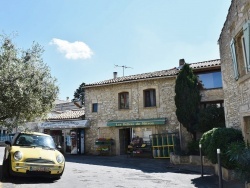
x: 34, y: 140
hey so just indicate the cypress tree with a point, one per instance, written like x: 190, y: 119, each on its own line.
x: 187, y: 99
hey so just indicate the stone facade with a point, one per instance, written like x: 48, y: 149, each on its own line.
x: 107, y: 98
x: 236, y: 91
x: 105, y: 94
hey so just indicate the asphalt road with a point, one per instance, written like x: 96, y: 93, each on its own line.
x: 122, y: 172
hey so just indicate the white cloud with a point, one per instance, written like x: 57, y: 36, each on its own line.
x: 75, y: 50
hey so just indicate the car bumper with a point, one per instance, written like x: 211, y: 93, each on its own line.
x: 34, y: 169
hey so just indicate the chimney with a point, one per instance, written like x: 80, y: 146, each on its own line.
x: 181, y: 62
x: 115, y: 75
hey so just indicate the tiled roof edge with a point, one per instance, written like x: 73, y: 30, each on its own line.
x: 155, y: 74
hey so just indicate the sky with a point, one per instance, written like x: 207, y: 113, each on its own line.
x: 85, y: 41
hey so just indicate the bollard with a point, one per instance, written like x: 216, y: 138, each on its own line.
x: 219, y: 169
x: 201, y: 161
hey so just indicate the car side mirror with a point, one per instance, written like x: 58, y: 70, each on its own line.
x: 59, y: 147
x: 7, y: 143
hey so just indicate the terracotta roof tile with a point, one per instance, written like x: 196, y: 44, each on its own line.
x: 69, y: 114
x: 205, y: 64
x: 156, y: 74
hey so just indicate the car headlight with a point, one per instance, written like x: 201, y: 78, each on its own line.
x: 60, y: 159
x: 18, y: 155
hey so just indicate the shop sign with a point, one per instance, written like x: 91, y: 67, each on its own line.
x: 140, y: 122
x: 65, y: 124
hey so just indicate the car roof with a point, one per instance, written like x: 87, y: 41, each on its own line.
x: 36, y: 133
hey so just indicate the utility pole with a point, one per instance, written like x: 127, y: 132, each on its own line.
x: 123, y: 67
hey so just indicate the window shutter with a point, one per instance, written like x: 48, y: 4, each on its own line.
x: 246, y: 33
x: 235, y: 66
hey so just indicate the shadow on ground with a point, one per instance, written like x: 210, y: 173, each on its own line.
x: 147, y: 165
x: 24, y: 180
x: 151, y: 165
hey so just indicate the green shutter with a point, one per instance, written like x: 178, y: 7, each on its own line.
x: 246, y: 33
x: 235, y: 66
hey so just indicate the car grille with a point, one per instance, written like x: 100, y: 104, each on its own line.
x: 30, y: 160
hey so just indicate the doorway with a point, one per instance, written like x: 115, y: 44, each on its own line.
x: 125, y: 139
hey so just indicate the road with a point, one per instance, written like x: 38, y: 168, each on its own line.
x: 119, y: 172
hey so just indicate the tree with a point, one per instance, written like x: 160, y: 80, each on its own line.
x: 79, y: 94
x: 27, y: 89
x: 211, y: 117
x: 187, y: 99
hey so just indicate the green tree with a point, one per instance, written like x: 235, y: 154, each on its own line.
x: 79, y: 94
x: 211, y: 117
x: 187, y: 99
x: 27, y: 89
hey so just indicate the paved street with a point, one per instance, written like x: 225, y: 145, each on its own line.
x: 121, y: 171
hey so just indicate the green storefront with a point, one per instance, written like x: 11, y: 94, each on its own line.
x: 142, y: 132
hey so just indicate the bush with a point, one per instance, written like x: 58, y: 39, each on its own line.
x: 193, y: 148
x: 240, y: 154
x: 220, y: 138
x: 211, y: 117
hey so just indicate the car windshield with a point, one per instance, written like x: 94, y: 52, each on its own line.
x: 35, y: 141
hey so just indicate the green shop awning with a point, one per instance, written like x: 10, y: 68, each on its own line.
x: 138, y: 122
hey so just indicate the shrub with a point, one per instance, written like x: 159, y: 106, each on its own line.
x: 240, y: 154
x: 193, y: 148
x: 220, y: 138
x: 211, y: 117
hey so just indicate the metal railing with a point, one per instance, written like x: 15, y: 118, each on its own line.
x: 5, y: 137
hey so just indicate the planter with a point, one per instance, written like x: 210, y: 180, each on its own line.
x: 247, y: 185
x: 192, y: 159
x: 227, y: 174
x: 176, y: 159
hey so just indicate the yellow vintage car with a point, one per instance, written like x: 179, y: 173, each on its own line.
x: 32, y: 154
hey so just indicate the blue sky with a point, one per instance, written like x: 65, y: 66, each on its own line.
x: 84, y: 40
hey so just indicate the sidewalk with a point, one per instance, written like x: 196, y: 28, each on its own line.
x: 150, y: 165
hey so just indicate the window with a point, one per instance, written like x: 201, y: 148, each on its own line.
x: 94, y: 107
x: 124, y: 100
x: 240, y: 51
x: 149, y: 98
x: 210, y: 80
x: 217, y: 103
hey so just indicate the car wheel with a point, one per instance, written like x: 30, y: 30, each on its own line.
x: 5, y: 168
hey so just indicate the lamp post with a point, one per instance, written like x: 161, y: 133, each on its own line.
x: 219, y: 169
x: 201, y: 161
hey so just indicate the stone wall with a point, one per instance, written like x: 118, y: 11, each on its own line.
x: 107, y: 98
x: 212, y: 95
x: 236, y: 93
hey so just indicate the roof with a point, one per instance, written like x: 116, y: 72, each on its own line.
x: 59, y: 101
x: 206, y: 64
x: 158, y: 74
x: 69, y: 114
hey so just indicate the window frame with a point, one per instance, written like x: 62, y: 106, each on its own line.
x: 125, y: 105
x: 234, y: 59
x: 246, y: 34
x: 94, y: 107
x: 240, y: 51
x: 244, y: 52
x: 147, y: 99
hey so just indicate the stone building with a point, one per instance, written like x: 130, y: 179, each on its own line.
x: 141, y: 105
x: 66, y: 124
x: 234, y: 42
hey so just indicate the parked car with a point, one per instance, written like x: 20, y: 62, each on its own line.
x: 32, y: 154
